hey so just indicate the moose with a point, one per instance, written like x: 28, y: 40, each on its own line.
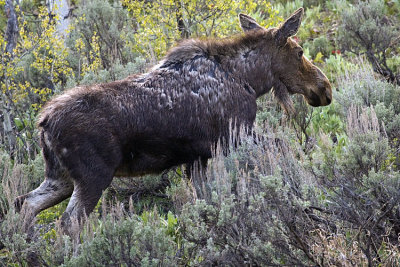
x: 169, y: 116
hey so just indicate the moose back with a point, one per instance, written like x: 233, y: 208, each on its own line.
x: 169, y: 116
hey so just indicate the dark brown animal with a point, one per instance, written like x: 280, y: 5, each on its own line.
x: 169, y: 116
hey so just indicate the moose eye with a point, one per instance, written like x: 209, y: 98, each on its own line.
x: 300, y: 53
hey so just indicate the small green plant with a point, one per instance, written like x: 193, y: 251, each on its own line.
x: 319, y: 45
x: 329, y: 120
x: 336, y: 66
x: 51, y: 214
x: 309, y: 27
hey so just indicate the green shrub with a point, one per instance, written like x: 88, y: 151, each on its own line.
x: 336, y: 66
x: 286, y: 8
x: 360, y: 87
x: 129, y: 241
x: 319, y: 45
x: 116, y: 72
x: 14, y: 237
x: 18, y: 179
x: 329, y: 119
x: 253, y: 209
x: 311, y: 3
x: 17, y: 248
x: 360, y: 189
x: 309, y: 28
x: 102, y: 32
x: 5, y: 166
x: 269, y: 112
x: 366, y: 28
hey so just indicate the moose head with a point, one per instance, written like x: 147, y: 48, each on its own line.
x: 291, y: 71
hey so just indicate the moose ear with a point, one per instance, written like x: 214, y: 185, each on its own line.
x: 289, y: 27
x: 248, y: 23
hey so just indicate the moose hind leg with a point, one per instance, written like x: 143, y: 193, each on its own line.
x: 91, y: 164
x: 48, y: 194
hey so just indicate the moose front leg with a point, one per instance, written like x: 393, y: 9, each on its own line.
x: 197, y: 172
x: 84, y: 199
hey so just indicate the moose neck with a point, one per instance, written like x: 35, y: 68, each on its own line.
x: 246, y: 59
x: 256, y: 71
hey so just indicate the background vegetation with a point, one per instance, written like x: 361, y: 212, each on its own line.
x: 320, y: 188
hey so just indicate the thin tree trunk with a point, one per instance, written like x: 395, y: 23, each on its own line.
x: 11, y: 36
x: 9, y: 136
x: 180, y: 20
x: 12, y: 27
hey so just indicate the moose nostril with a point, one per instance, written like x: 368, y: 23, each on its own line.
x: 328, y: 99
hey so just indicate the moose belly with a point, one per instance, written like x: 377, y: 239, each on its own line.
x: 155, y: 156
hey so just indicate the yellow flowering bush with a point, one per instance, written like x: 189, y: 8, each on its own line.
x: 47, y: 54
x: 158, y: 31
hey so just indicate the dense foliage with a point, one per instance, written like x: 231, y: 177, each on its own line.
x: 318, y: 188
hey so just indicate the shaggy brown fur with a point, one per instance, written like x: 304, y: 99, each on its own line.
x: 169, y: 116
